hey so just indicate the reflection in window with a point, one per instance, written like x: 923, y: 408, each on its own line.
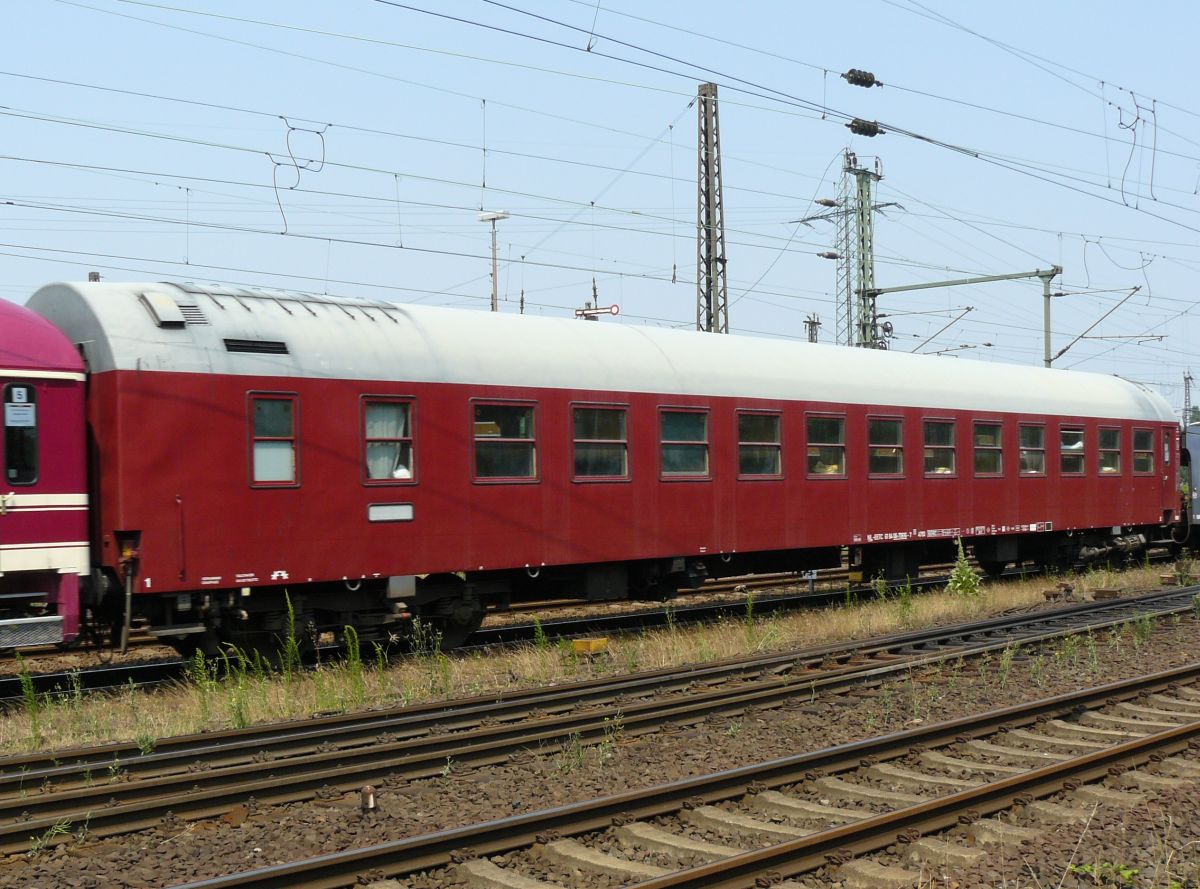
x: 20, y: 434
x: 885, y: 451
x: 1071, y: 456
x: 601, y: 448
x: 1143, y: 450
x: 684, y: 442
x: 988, y: 455
x: 388, y: 436
x: 274, y: 421
x: 504, y: 441
x: 826, y: 446
x: 759, y: 447
x: 1033, y: 450
x: 939, y: 447
x: 1110, y: 451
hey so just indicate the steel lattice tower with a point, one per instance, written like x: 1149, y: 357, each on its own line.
x: 712, y: 290
x: 855, y: 247
x: 844, y: 247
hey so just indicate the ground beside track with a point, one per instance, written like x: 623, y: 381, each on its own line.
x: 67, y: 720
x: 246, y: 837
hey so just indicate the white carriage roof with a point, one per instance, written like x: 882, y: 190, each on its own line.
x: 186, y: 328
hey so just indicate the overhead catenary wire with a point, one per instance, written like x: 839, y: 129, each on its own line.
x: 779, y: 95
x: 672, y: 215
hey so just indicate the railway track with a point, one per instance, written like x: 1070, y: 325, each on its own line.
x: 944, y: 793
x: 120, y: 788
x: 146, y: 674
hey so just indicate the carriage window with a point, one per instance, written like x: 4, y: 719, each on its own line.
x: 504, y: 441
x: 1033, y: 450
x: 387, y: 433
x: 885, y: 450
x: 684, y: 442
x: 601, y: 445
x: 274, y: 440
x: 988, y: 455
x: 20, y: 434
x: 1110, y: 451
x: 826, y: 446
x: 1143, y: 450
x: 759, y: 445
x: 939, y: 447
x: 1071, y: 456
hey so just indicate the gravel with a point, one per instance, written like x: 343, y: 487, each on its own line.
x: 252, y: 836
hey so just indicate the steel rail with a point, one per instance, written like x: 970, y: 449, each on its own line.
x: 147, y: 675
x: 133, y: 805
x: 504, y: 835
x: 872, y: 834
x: 685, y: 614
x: 22, y: 770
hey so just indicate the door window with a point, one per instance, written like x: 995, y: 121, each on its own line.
x: 20, y: 434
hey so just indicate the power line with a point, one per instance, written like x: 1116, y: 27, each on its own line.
x: 387, y: 200
x: 777, y: 95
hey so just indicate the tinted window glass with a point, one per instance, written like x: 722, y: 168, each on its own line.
x: 600, y: 447
x: 759, y: 450
x: 684, y: 437
x: 680, y: 426
x: 504, y: 443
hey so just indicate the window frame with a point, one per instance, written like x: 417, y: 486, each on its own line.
x: 37, y: 432
x: 1021, y: 449
x: 808, y: 443
x: 663, y: 475
x: 1082, y: 430
x: 293, y: 398
x: 599, y: 405
x: 476, y: 478
x: 952, y: 447
x: 1134, y: 450
x: 887, y: 418
x: 997, y: 449
x: 1101, y: 451
x: 777, y: 444
x: 366, y: 401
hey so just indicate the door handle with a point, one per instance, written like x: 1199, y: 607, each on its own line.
x: 6, y: 500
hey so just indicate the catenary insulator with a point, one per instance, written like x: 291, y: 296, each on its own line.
x: 860, y: 127
x: 859, y: 77
x: 827, y: 202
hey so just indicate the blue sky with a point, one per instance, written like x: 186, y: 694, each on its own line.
x: 186, y: 142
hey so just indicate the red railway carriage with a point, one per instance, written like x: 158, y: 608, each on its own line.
x: 375, y: 461
x: 43, y: 492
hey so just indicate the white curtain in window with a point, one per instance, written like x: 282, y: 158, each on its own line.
x: 387, y: 421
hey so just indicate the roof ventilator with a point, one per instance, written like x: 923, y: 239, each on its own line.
x: 192, y: 313
x: 257, y: 347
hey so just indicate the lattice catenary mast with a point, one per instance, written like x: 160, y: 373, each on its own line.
x: 856, y: 320
x: 712, y: 289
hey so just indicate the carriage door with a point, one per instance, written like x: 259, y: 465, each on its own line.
x: 20, y: 461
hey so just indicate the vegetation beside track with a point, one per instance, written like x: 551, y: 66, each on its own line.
x: 239, y: 691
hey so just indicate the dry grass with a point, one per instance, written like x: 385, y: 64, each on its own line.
x: 254, y: 695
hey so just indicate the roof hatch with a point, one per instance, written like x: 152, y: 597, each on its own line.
x: 163, y: 309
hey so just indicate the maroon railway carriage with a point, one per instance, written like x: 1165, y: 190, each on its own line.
x: 373, y: 461
x: 43, y: 492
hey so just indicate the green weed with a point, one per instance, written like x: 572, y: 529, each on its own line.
x: 963, y: 579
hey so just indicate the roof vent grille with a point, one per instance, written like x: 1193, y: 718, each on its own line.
x: 192, y: 314
x: 257, y: 347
